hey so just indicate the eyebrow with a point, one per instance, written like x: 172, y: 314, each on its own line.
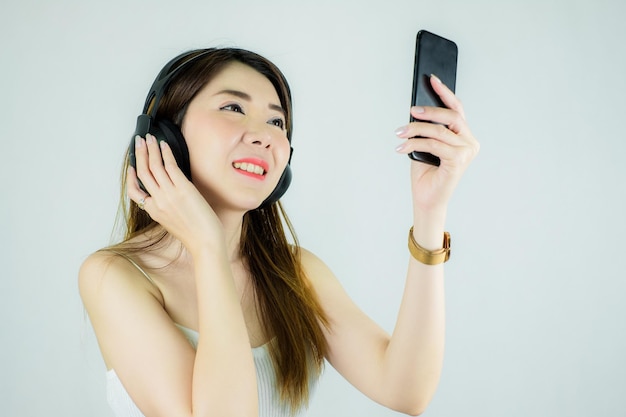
x: 247, y: 97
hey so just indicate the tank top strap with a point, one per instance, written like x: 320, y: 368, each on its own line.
x: 135, y: 264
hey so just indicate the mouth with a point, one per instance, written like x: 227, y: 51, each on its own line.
x: 251, y: 167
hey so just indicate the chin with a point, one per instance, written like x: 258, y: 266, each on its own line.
x: 255, y: 205
x: 246, y: 204
x: 240, y: 201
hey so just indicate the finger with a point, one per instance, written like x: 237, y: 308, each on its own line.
x: 174, y: 172
x: 452, y: 119
x: 133, y: 190
x: 142, y: 169
x: 141, y: 203
x: 447, y: 96
x: 433, y: 146
x: 155, y: 159
x: 457, y: 156
x: 429, y: 130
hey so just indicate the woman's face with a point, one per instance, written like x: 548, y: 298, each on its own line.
x: 235, y: 132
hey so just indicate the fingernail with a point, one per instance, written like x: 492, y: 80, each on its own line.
x: 401, y: 130
x: 149, y: 138
x: 417, y: 109
x: 138, y: 141
x: 163, y: 144
x: 434, y: 77
x: 399, y: 148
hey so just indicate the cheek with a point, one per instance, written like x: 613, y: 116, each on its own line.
x: 284, y: 150
x: 202, y: 135
x: 205, y: 153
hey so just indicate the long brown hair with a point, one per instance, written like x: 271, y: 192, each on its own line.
x: 289, y: 310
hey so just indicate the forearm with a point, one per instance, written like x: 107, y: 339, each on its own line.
x: 414, y: 356
x: 224, y: 381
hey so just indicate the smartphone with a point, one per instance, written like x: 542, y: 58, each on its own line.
x: 433, y: 55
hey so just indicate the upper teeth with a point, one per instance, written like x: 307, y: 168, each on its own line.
x: 245, y: 166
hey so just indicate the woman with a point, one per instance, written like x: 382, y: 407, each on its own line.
x: 205, y: 309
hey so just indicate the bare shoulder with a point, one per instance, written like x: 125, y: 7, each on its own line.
x: 314, y: 267
x: 105, y: 274
x: 323, y: 280
x: 125, y: 309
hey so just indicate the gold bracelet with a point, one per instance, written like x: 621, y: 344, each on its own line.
x: 430, y: 257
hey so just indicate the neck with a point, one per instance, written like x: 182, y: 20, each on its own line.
x: 232, y: 224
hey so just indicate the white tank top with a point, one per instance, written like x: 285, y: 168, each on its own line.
x: 269, y: 399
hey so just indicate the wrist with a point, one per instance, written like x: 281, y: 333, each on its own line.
x: 207, y: 251
x: 428, y: 228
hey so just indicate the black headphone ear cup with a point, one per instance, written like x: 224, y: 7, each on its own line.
x: 281, y: 188
x: 162, y: 130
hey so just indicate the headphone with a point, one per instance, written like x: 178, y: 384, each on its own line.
x: 166, y: 130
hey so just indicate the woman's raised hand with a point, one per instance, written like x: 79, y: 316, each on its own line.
x: 449, y: 138
x: 172, y: 200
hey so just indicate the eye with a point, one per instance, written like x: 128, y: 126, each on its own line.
x: 278, y: 122
x: 233, y: 107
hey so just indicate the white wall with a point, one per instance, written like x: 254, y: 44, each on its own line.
x: 536, y: 284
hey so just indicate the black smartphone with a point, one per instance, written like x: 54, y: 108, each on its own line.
x: 433, y: 55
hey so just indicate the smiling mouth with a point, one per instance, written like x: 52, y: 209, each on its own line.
x: 248, y: 167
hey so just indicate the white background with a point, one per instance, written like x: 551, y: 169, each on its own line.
x: 536, y: 285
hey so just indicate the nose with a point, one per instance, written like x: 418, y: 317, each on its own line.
x: 263, y: 143
x: 259, y: 134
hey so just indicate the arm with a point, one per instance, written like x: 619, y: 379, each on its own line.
x: 159, y: 368
x: 402, y: 371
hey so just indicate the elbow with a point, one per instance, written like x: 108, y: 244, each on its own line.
x: 413, y: 403
x: 415, y: 409
x: 416, y: 412
x: 411, y: 393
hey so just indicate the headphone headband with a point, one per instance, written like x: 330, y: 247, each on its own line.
x: 173, y: 67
